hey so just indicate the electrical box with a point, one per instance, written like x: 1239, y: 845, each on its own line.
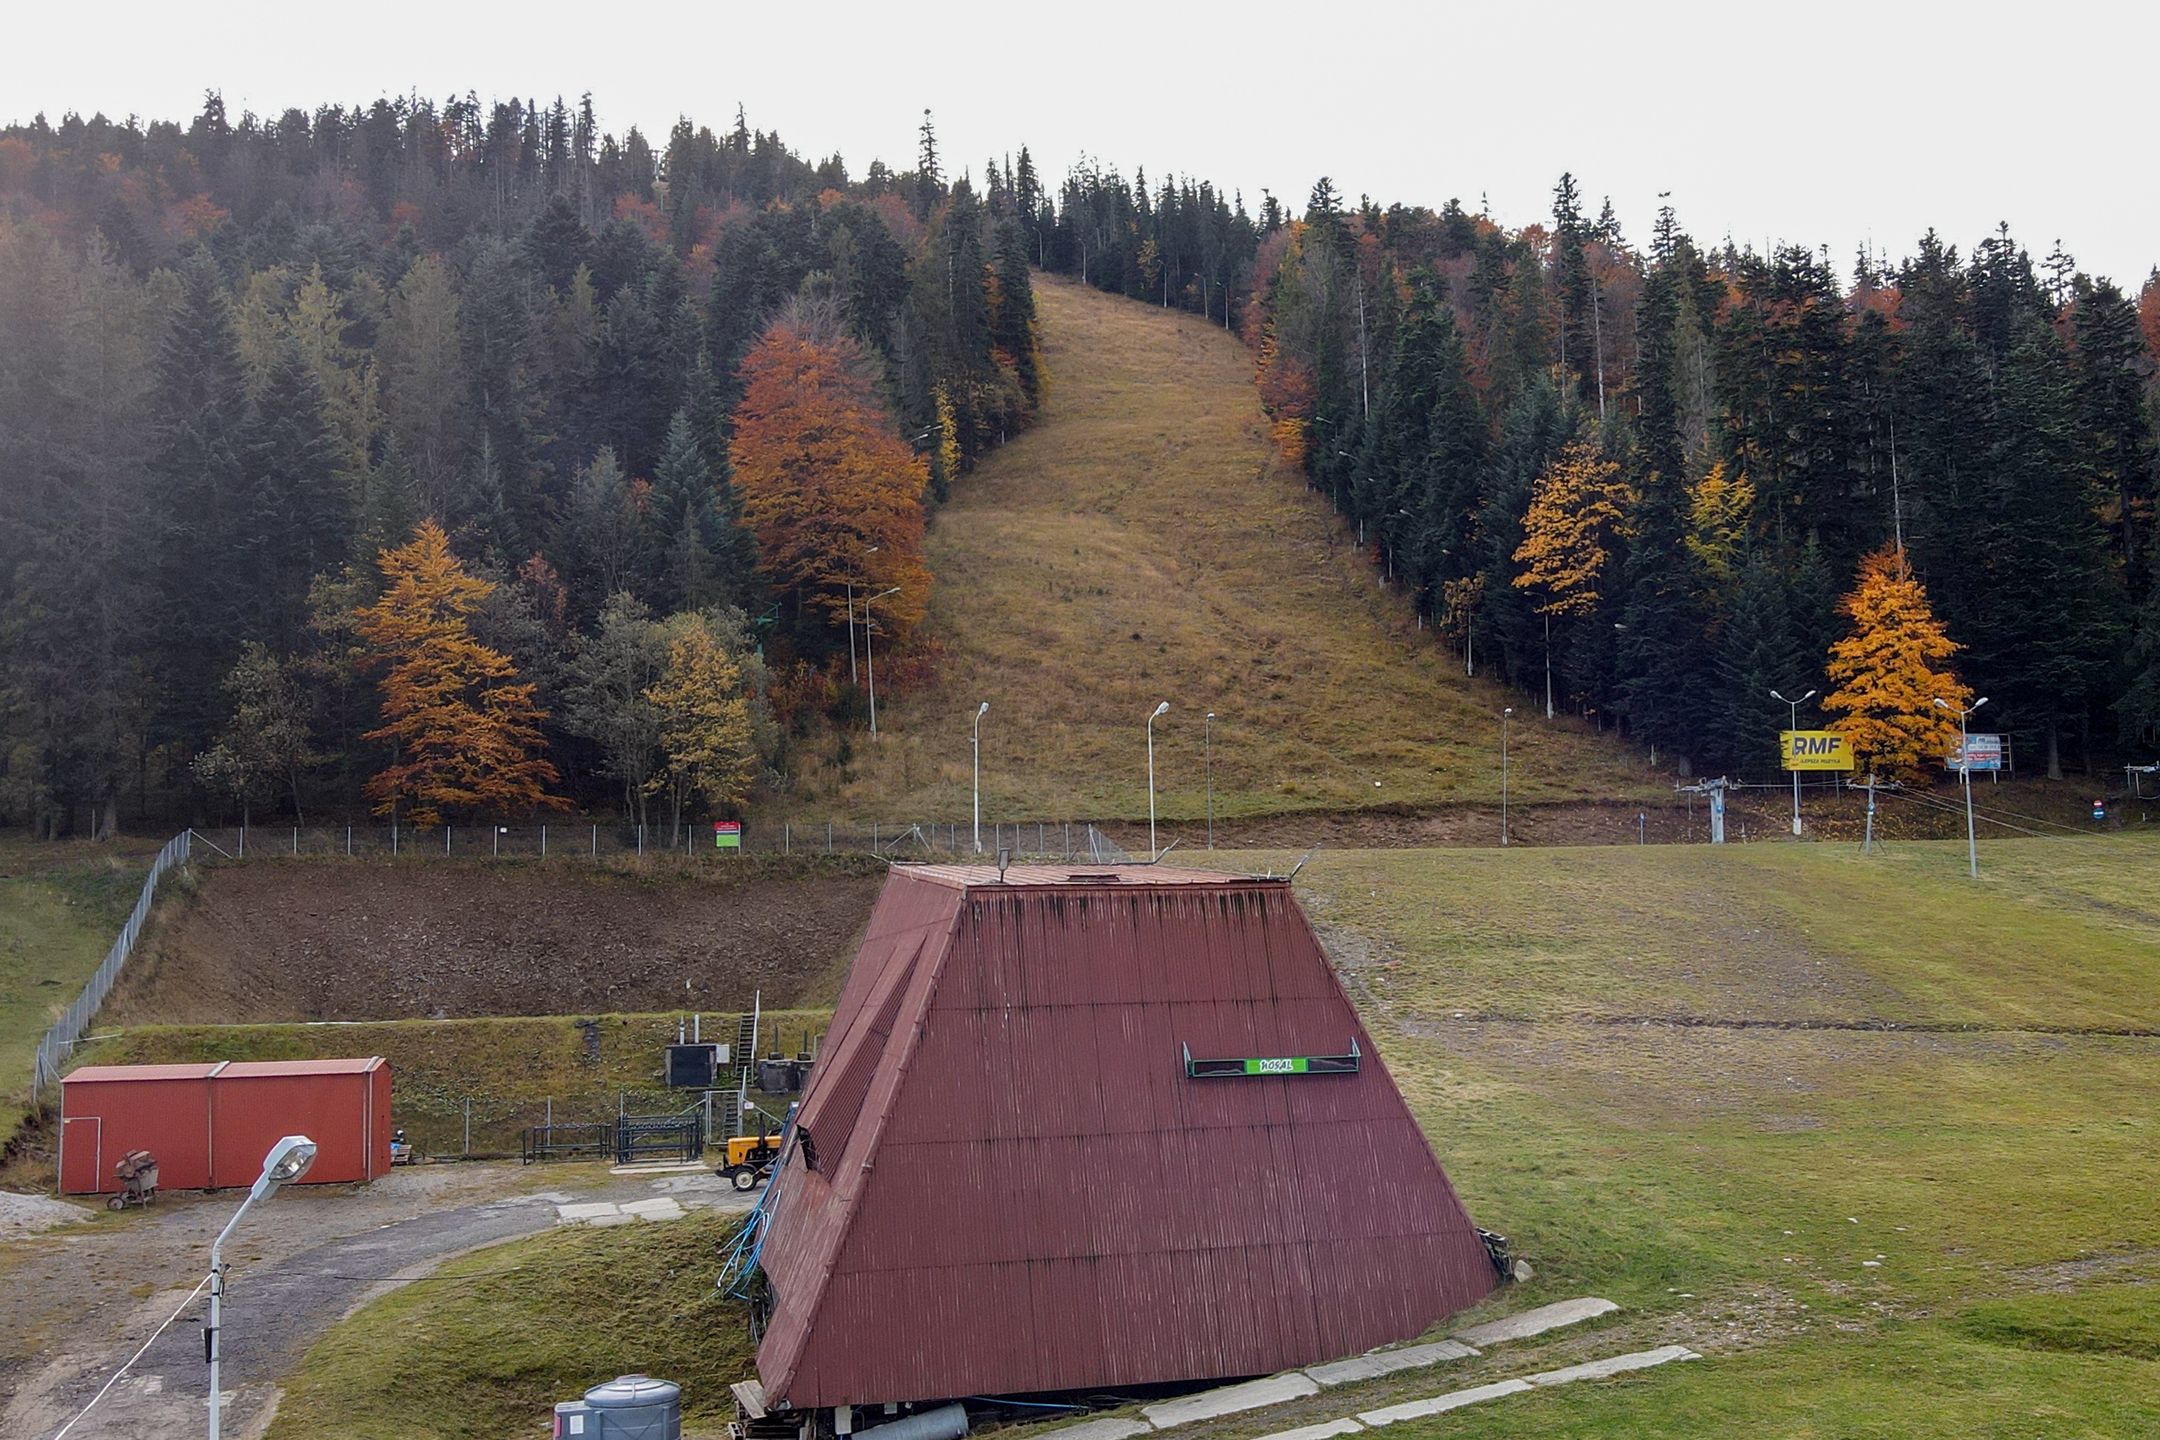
x: 692, y: 1067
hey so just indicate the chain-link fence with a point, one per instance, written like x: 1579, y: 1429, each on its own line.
x: 901, y: 840
x: 59, y: 1041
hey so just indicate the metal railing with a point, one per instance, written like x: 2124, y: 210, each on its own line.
x: 61, y: 1039
x: 599, y: 841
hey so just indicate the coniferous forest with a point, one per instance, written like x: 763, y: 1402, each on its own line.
x: 339, y: 448
x: 1655, y: 481
x: 466, y: 459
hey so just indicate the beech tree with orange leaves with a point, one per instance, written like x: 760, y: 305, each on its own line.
x: 465, y: 728
x: 832, y: 494
x: 1889, y: 673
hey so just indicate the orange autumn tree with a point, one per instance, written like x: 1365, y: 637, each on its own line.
x: 1888, y: 673
x: 466, y: 729
x: 833, y: 496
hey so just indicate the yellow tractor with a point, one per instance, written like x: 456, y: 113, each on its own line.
x: 750, y: 1158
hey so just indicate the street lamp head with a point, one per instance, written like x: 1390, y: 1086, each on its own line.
x: 1510, y: 710
x: 1941, y: 704
x: 1779, y: 698
x: 982, y: 709
x: 1805, y: 698
x: 1162, y: 709
x: 287, y: 1161
x: 1211, y: 714
x: 1977, y: 704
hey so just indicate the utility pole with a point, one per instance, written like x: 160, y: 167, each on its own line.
x: 980, y: 711
x: 1795, y: 704
x: 869, y: 656
x: 1505, y: 716
x: 1208, y: 750
x: 1964, y: 714
x: 1867, y: 842
x: 1157, y: 713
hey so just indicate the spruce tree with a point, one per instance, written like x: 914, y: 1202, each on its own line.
x: 301, y: 500
x: 200, y: 497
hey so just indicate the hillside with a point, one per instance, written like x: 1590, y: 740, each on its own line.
x: 60, y: 907
x: 384, y: 940
x: 1143, y: 542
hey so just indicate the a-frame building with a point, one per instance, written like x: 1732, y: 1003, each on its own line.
x: 1076, y: 1130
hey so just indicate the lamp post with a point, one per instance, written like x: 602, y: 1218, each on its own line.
x: 1153, y: 715
x: 1795, y: 725
x: 287, y: 1161
x: 980, y: 711
x: 1964, y: 714
x: 1505, y: 716
x: 869, y: 658
x: 854, y: 676
x: 1207, y: 743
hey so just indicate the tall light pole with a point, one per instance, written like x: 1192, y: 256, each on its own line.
x: 870, y: 659
x: 1207, y: 743
x: 1505, y: 716
x: 1153, y: 715
x: 854, y: 676
x: 1964, y: 714
x: 980, y: 711
x: 287, y: 1161
x: 1795, y: 725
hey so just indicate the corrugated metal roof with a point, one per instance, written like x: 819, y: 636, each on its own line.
x: 358, y: 1066
x: 1017, y: 1188
x: 93, y: 1074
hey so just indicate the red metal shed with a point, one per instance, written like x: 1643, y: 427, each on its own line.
x: 1078, y: 1129
x: 210, y: 1125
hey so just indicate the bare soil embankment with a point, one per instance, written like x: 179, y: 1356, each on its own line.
x: 304, y: 940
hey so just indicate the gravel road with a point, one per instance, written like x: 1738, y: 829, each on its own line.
x: 76, y: 1302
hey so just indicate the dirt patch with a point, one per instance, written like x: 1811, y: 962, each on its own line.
x: 335, y: 940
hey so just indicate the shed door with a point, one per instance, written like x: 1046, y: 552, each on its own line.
x: 82, y: 1156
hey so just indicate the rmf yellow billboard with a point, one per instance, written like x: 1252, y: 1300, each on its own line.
x: 1814, y: 750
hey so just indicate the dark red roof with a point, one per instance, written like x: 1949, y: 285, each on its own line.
x: 1017, y: 1188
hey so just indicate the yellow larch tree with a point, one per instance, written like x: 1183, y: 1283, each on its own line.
x: 1890, y: 671
x: 1576, y: 511
x: 705, y: 726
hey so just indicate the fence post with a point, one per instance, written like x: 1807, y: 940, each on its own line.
x: 468, y: 1124
x: 873, y: 837
x: 393, y: 839
x: 446, y: 837
x: 495, y: 839
x: 296, y: 839
x: 828, y: 837
x: 641, y: 842
x: 787, y: 839
x: 348, y: 842
x: 243, y: 841
x: 596, y: 841
x: 543, y: 842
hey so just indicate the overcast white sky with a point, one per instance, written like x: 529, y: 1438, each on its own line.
x: 1833, y: 123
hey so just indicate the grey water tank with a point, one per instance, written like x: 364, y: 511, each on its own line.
x: 629, y: 1407
x: 947, y: 1422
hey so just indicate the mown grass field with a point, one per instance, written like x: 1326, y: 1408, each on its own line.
x: 486, y: 1345
x: 1714, y: 1085
x: 60, y: 908
x: 1142, y: 543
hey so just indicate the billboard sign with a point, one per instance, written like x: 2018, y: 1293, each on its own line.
x: 1814, y: 750
x: 727, y: 834
x: 1982, y: 752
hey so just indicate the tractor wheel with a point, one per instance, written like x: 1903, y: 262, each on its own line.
x: 744, y: 1177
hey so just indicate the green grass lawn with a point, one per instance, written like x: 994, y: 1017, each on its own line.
x: 485, y: 1346
x: 61, y: 906
x: 1730, y: 1183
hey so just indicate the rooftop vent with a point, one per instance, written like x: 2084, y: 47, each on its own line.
x: 1094, y: 877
